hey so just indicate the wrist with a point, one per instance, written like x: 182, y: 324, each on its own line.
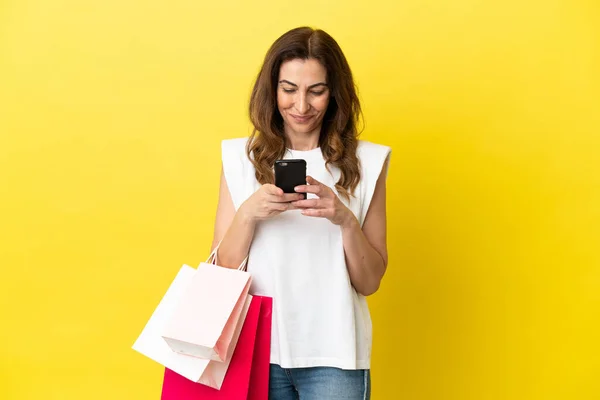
x: 349, y: 222
x: 245, y: 217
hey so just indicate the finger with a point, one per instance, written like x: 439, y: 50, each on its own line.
x: 315, y: 187
x: 319, y: 190
x: 285, y: 198
x: 293, y: 196
x: 273, y: 190
x: 312, y: 181
x: 320, y: 213
x: 281, y: 207
x: 276, y: 208
x: 312, y: 203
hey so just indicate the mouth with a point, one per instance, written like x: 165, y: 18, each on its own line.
x: 301, y: 119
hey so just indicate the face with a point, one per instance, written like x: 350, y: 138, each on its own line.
x: 302, y: 95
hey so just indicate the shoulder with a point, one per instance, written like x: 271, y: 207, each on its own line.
x: 237, y: 169
x: 372, y: 157
x: 237, y: 145
x: 234, y: 151
x: 369, y: 152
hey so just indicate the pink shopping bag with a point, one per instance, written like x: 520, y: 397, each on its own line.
x: 204, y: 320
x: 151, y: 344
x: 248, y: 375
x: 261, y: 361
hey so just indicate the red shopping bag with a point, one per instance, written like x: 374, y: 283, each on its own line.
x: 259, y: 374
x: 248, y: 375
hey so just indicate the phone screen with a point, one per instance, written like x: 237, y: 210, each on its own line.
x: 289, y: 174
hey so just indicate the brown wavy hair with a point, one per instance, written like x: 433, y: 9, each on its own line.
x: 338, y: 139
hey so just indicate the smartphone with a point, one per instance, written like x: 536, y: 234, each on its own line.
x: 289, y: 174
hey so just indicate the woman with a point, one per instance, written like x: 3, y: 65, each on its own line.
x: 317, y: 257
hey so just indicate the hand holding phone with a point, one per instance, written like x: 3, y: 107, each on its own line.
x: 289, y: 174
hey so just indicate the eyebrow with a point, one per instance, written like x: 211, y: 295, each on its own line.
x: 310, y: 87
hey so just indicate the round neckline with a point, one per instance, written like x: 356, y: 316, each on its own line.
x: 313, y: 154
x: 315, y: 150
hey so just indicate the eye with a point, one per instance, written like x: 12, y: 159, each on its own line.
x: 289, y: 90
x: 318, y: 93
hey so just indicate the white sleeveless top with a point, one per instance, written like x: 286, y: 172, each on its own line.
x: 318, y: 317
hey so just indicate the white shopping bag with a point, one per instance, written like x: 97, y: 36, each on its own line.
x: 151, y: 343
x: 203, y: 322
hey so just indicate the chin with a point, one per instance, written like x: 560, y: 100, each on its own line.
x: 303, y: 128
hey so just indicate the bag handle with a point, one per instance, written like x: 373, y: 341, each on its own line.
x: 212, y: 259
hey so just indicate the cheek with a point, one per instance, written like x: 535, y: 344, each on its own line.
x: 284, y: 101
x: 321, y: 103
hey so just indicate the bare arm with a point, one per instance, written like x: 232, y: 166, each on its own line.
x: 366, y: 248
x: 235, y: 230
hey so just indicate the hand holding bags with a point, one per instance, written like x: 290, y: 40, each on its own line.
x: 203, y: 323
x: 216, y: 316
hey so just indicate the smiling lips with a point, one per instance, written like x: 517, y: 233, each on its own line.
x: 301, y: 119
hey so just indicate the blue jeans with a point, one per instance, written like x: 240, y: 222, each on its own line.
x: 319, y: 383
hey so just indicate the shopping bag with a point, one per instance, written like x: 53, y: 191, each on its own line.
x: 248, y: 375
x: 204, y: 320
x: 261, y: 360
x: 151, y: 344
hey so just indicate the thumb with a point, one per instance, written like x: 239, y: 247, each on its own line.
x: 274, y: 190
x: 312, y: 181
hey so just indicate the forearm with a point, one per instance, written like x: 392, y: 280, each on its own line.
x: 366, y: 266
x: 236, y: 243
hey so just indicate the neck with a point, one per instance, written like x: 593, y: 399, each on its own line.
x: 302, y: 141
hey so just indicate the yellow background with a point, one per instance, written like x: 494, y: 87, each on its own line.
x: 111, y: 117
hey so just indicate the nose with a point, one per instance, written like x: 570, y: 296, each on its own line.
x: 302, y: 104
